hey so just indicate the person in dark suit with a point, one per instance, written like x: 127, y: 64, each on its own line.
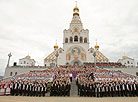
x: 32, y: 89
x: 12, y: 88
x: 40, y: 90
x: 112, y: 90
x: 136, y: 83
x: 90, y: 90
x: 123, y: 89
x: 16, y: 88
x: 28, y: 89
x: 44, y: 89
x: 21, y: 88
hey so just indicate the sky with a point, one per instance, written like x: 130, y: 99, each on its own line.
x: 33, y: 26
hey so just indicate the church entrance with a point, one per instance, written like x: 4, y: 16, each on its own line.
x: 75, y: 62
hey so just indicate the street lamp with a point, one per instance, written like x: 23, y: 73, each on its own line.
x: 9, y: 55
x: 56, y: 57
x: 94, y: 55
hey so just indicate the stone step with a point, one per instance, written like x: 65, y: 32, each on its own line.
x: 74, y: 89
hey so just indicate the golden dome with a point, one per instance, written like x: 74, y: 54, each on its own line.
x: 76, y: 13
x: 76, y: 8
x: 28, y: 56
x: 96, y: 46
x: 56, y: 46
x: 124, y: 56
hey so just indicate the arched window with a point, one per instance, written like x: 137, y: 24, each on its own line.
x: 75, y: 38
x: 11, y: 74
x: 66, y: 40
x: 15, y: 73
x: 71, y: 39
x: 85, y: 40
x: 81, y: 40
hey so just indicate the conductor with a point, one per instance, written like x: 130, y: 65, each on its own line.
x: 91, y: 76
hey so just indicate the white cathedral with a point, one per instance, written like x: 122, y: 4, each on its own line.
x: 76, y: 50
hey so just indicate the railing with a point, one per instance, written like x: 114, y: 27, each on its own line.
x: 6, y: 79
x: 28, y: 67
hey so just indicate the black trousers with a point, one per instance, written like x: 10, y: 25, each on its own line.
x: 71, y: 79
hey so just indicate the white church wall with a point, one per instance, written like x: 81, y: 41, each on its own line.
x: 19, y: 70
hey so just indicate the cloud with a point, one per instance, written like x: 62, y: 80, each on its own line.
x: 34, y: 26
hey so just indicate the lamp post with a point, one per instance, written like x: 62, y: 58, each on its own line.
x: 9, y: 55
x: 56, y: 57
x: 94, y: 55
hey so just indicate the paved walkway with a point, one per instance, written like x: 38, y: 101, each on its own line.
x: 74, y: 89
x: 73, y: 98
x: 66, y: 99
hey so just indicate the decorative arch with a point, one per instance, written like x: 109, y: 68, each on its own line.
x: 76, y: 62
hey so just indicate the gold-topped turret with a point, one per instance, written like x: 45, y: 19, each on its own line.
x: 124, y: 56
x: 56, y: 46
x: 76, y: 10
x: 96, y: 46
x: 28, y: 57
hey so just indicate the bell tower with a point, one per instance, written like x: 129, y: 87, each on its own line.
x: 76, y: 40
x: 76, y: 34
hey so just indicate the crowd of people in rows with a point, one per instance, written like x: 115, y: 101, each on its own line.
x: 61, y: 86
x: 5, y: 87
x: 28, y: 88
x: 94, y: 82
x: 106, y: 83
x: 33, y: 83
x: 105, y: 64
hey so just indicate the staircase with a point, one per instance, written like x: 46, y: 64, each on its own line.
x: 74, y: 89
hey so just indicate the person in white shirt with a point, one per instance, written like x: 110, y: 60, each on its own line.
x: 70, y: 75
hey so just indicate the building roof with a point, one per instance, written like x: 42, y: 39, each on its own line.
x: 52, y: 57
x: 99, y: 56
x: 28, y: 58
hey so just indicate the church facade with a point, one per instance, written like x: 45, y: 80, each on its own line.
x: 127, y: 61
x: 76, y: 50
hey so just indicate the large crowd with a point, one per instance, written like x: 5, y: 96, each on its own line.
x: 107, y: 83
x: 91, y: 82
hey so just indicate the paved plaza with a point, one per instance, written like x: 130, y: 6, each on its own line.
x: 66, y: 99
